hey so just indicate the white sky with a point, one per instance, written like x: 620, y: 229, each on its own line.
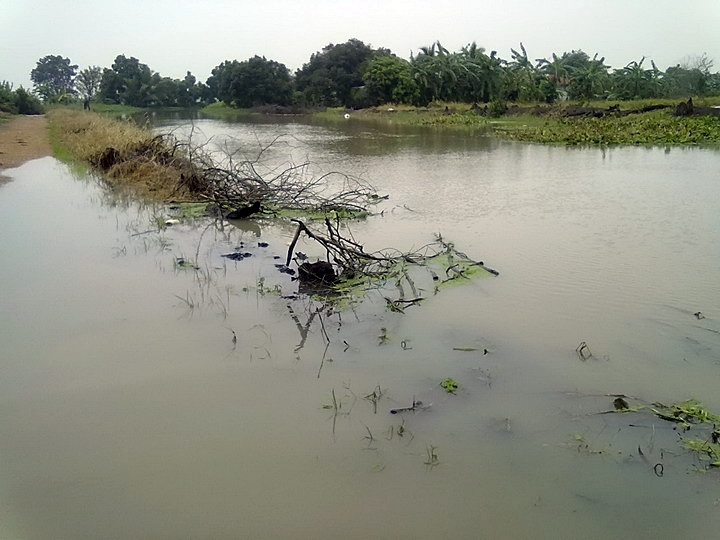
x: 174, y: 36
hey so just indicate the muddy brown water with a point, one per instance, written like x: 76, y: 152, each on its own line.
x: 126, y: 410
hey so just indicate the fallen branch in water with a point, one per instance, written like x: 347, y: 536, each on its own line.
x: 357, y: 268
x: 220, y: 176
x: 167, y: 167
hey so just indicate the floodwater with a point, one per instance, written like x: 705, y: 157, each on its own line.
x: 128, y: 411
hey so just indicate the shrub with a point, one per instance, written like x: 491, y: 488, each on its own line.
x: 7, y: 98
x: 19, y: 101
x: 27, y: 103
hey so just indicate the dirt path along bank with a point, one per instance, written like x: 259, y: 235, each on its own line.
x: 23, y: 138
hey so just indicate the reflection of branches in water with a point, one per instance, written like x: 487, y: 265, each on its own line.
x: 304, y: 330
x: 322, y: 360
x: 312, y: 311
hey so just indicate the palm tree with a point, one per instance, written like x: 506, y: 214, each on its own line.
x: 432, y: 71
x: 523, y: 76
x: 481, y: 76
x: 588, y: 79
x: 557, y: 70
x: 634, y: 82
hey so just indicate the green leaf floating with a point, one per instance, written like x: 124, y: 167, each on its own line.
x: 449, y: 385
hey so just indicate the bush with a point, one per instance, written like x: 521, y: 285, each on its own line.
x: 18, y: 102
x: 27, y: 103
x: 497, y: 108
x: 7, y: 98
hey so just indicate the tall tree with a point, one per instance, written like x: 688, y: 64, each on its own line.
x: 256, y: 81
x: 557, y: 73
x: 53, y: 78
x: 259, y: 81
x: 128, y: 82
x: 329, y: 77
x: 487, y: 74
x: 219, y: 81
x: 434, y: 73
x: 189, y: 92
x: 87, y: 82
x: 691, y: 77
x: 389, y: 79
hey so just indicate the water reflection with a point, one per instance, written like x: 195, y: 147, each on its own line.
x: 246, y: 225
x: 202, y: 398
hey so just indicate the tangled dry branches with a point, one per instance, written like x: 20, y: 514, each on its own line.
x: 219, y: 175
x: 351, y: 260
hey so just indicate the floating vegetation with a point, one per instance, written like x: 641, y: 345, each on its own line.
x: 685, y: 413
x: 449, y: 385
x: 651, y: 128
x: 706, y: 450
x: 686, y: 416
x: 182, y: 263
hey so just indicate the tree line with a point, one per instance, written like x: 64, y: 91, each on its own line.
x: 355, y: 75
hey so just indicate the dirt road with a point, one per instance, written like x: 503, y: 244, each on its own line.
x: 23, y: 138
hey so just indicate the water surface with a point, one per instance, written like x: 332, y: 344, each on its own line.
x: 128, y: 411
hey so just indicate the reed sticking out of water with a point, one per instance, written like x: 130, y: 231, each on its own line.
x: 432, y: 457
x: 374, y: 397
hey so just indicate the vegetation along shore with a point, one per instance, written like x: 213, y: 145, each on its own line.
x: 569, y: 98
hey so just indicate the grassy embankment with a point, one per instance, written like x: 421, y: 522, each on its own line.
x: 132, y: 158
x: 151, y: 168
x: 542, y: 124
x: 133, y: 161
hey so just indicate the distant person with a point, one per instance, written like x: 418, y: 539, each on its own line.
x: 86, y: 104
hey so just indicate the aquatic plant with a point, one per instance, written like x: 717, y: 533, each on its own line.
x: 449, y: 385
x: 688, y: 415
x: 685, y: 413
x: 652, y: 128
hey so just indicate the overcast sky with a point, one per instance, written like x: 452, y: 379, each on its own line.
x: 174, y: 36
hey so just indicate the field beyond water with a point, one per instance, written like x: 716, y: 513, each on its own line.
x: 550, y: 124
x: 538, y: 123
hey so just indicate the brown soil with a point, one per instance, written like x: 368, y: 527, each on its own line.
x: 23, y: 138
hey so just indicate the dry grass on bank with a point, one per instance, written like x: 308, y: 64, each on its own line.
x: 159, y: 167
x: 131, y: 158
